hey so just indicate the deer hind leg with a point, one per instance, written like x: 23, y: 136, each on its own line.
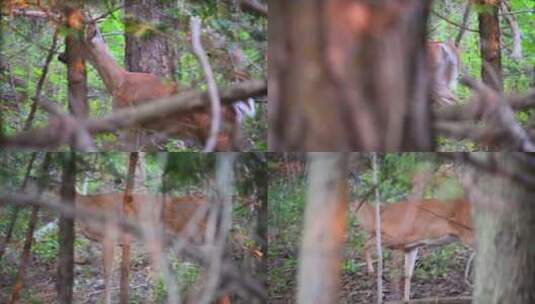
x: 367, y: 254
x: 107, y: 266
x: 410, y: 260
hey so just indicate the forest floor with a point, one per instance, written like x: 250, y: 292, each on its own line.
x: 39, y: 282
x: 145, y: 286
x: 444, y: 278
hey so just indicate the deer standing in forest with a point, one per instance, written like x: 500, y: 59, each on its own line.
x: 178, y: 216
x: 444, y: 62
x: 408, y: 225
x: 132, y: 88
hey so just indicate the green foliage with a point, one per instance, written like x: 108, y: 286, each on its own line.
x: 187, y: 168
x: 350, y: 266
x: 282, y: 276
x: 185, y: 273
x: 47, y: 247
x: 437, y: 264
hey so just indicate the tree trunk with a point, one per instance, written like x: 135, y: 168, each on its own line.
x: 15, y: 213
x: 76, y: 72
x: 324, y: 229
x: 127, y: 211
x: 489, y: 33
x: 25, y: 256
x: 505, y: 221
x: 348, y: 75
x: 149, y: 52
x: 66, y: 232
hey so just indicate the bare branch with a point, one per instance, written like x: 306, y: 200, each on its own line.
x: 60, y: 129
x: 516, y: 53
x: 215, y: 103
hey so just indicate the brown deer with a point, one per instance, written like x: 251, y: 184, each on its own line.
x: 444, y: 61
x: 132, y: 88
x: 176, y: 215
x: 408, y: 225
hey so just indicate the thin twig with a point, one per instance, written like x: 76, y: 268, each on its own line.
x: 454, y: 23
x: 41, y: 81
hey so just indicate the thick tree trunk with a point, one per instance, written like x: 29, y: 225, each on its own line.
x: 149, y: 52
x: 489, y: 33
x: 66, y: 232
x: 324, y: 229
x: 505, y: 221
x: 348, y: 75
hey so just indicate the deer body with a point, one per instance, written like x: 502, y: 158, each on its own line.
x: 444, y: 61
x: 406, y: 226
x: 176, y: 215
x: 131, y: 88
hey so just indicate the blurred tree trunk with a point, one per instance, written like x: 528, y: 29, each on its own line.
x: 66, y: 231
x: 76, y: 72
x: 489, y: 35
x: 505, y: 222
x: 324, y: 229
x: 128, y: 210
x: 348, y: 75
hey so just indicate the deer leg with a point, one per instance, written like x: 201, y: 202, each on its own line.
x: 107, y: 267
x: 368, y: 255
x: 410, y: 260
x: 467, y: 269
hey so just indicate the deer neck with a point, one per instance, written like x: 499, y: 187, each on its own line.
x: 98, y: 55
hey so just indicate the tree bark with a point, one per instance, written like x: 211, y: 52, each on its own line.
x: 505, y: 220
x: 66, y: 232
x: 148, y: 52
x: 324, y: 229
x: 489, y: 35
x: 348, y: 75
x: 76, y: 71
